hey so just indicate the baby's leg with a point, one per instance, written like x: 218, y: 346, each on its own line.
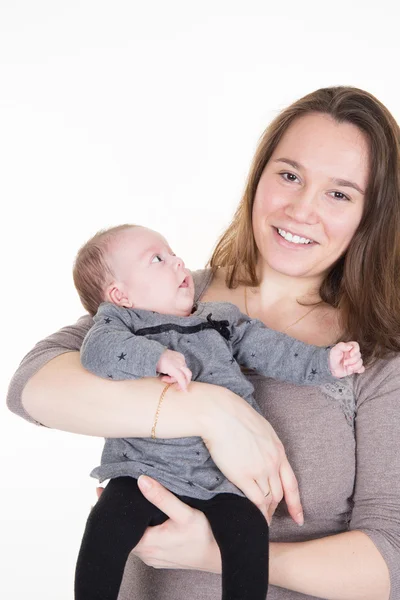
x: 114, y: 527
x: 241, y: 532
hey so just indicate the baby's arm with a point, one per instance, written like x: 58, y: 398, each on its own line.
x: 113, y: 351
x: 279, y: 356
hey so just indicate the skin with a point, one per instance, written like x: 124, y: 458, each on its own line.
x: 317, y: 192
x: 298, y: 193
x: 148, y: 274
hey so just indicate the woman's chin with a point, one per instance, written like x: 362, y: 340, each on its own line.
x: 294, y: 268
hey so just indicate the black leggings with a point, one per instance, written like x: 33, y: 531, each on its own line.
x: 119, y: 519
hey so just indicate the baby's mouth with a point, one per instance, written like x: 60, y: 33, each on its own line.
x: 185, y: 282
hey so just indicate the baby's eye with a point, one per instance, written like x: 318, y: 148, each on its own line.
x: 156, y: 258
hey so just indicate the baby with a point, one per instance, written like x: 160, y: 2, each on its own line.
x: 146, y: 324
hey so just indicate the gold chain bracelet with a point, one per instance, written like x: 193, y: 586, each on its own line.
x: 153, y: 429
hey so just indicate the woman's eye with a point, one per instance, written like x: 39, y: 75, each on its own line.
x: 289, y: 176
x: 340, y: 196
x: 156, y: 258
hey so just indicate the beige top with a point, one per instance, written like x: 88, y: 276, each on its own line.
x: 341, y: 439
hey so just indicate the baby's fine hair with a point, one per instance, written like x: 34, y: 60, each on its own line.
x: 92, y: 271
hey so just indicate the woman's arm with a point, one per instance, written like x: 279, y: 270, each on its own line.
x: 347, y: 566
x: 63, y: 395
x: 52, y: 388
x: 363, y: 563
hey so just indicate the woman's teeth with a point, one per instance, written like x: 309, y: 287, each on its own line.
x: 295, y: 239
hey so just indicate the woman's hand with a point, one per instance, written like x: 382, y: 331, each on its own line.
x: 247, y: 450
x: 184, y: 541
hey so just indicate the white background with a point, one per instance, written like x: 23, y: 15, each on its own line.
x: 146, y: 112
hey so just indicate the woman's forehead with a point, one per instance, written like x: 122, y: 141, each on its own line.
x: 322, y: 145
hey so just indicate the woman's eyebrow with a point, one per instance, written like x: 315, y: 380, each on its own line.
x: 335, y: 180
x: 292, y: 163
x: 346, y: 183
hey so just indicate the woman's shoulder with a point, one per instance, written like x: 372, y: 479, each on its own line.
x: 202, y: 279
x: 210, y: 286
x: 381, y: 379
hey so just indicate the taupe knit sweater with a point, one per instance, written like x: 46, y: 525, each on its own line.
x: 342, y: 440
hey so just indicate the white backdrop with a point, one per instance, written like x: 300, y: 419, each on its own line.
x: 145, y: 112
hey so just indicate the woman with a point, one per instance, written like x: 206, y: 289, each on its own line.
x: 314, y: 251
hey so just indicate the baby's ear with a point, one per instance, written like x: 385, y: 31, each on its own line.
x: 115, y: 295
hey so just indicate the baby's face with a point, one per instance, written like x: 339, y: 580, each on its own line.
x: 149, y: 275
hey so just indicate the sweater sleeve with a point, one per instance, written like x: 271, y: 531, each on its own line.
x: 277, y: 355
x: 113, y: 351
x: 67, y: 339
x: 376, y: 498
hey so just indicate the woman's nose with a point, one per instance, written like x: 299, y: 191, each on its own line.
x: 303, y: 208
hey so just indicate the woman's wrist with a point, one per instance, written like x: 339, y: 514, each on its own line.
x: 190, y: 413
x: 63, y: 395
x: 213, y: 558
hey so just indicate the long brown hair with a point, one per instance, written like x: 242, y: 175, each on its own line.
x: 364, y: 284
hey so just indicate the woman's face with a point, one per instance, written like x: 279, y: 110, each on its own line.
x: 310, y: 197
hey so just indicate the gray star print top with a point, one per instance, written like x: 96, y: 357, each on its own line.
x: 341, y: 438
x: 215, y: 339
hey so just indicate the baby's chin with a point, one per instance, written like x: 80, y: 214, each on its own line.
x: 187, y: 306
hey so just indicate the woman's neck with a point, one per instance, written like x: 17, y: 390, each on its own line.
x: 276, y: 287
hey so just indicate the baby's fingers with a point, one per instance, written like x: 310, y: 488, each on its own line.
x: 356, y: 367
x: 355, y: 349
x: 180, y: 377
x: 168, y: 379
x: 188, y: 374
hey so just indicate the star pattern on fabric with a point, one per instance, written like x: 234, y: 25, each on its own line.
x: 295, y: 354
x: 313, y: 371
x: 121, y: 356
x: 110, y: 376
x: 107, y: 320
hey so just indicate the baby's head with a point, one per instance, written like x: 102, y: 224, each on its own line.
x: 132, y: 267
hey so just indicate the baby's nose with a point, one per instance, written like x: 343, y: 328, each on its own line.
x: 179, y: 262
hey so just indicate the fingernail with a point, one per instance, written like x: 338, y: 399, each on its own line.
x: 300, y: 519
x: 145, y: 483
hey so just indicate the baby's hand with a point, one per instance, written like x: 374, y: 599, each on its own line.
x: 173, y: 364
x: 345, y: 359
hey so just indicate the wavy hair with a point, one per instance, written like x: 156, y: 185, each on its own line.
x: 364, y: 284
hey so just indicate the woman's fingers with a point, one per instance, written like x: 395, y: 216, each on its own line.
x: 276, y: 495
x: 291, y: 491
x: 165, y: 500
x: 258, y: 497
